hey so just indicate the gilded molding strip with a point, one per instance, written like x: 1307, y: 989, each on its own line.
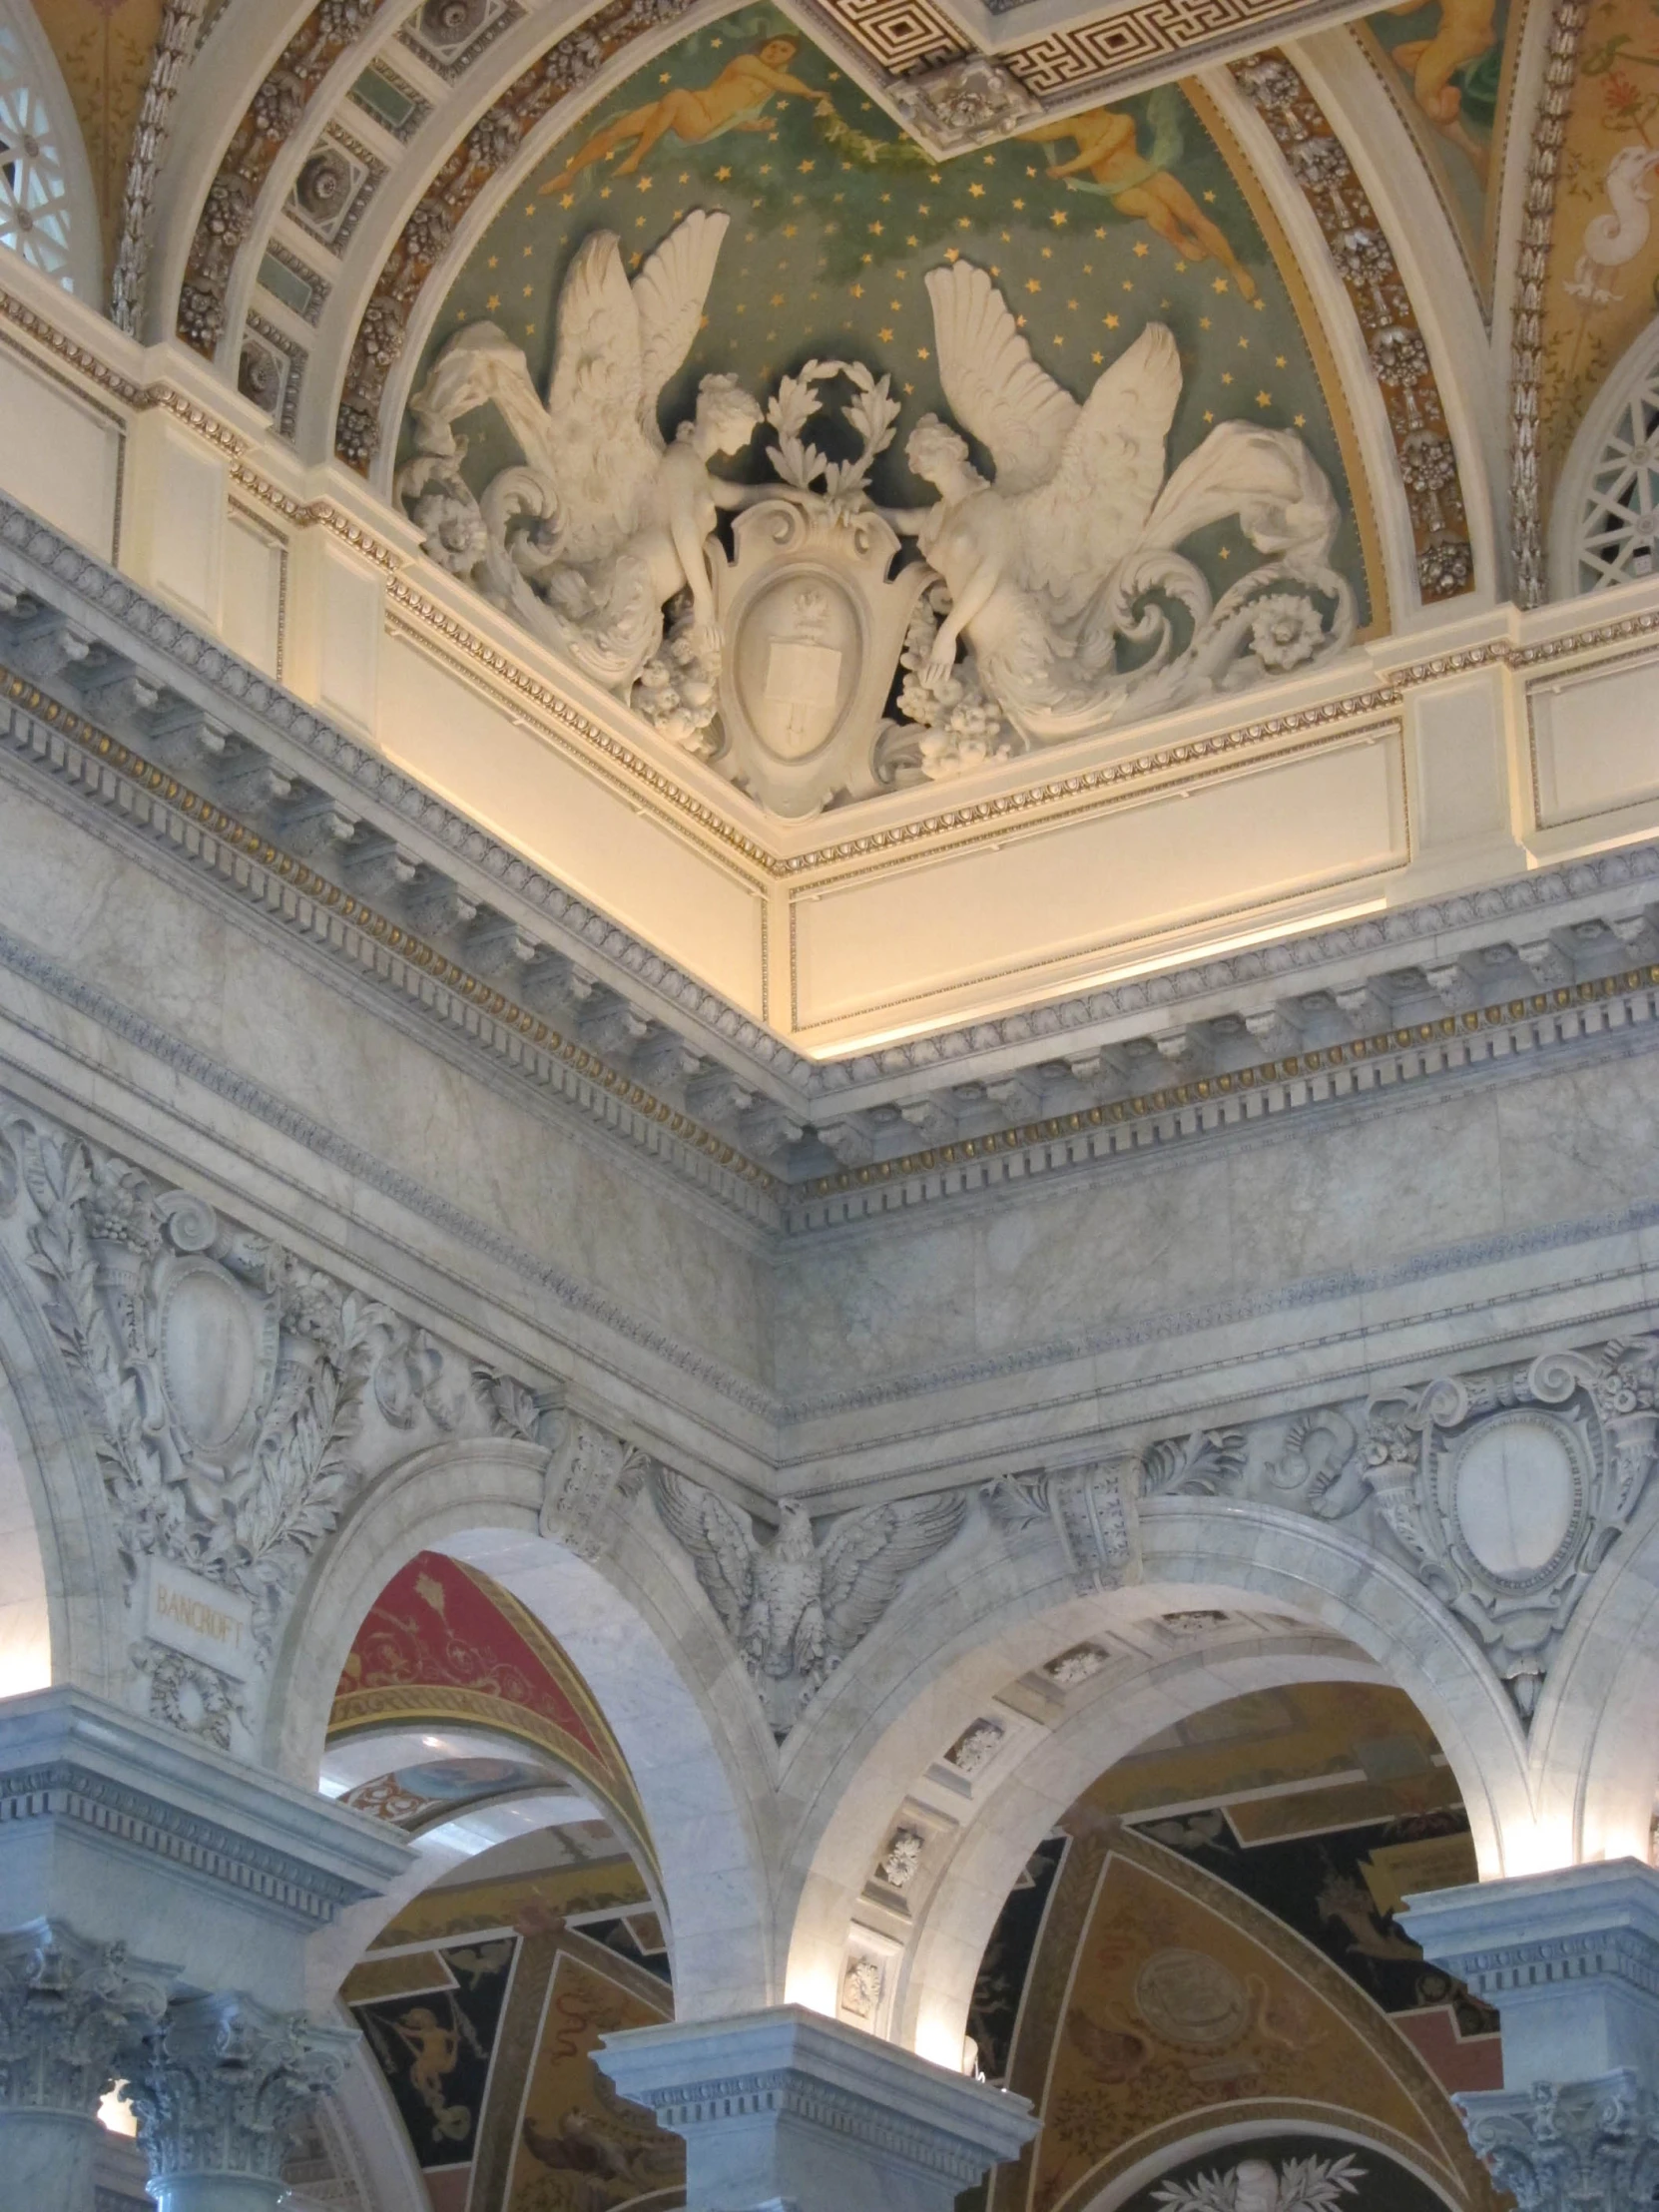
x: 1365, y: 258
x: 488, y: 147
x: 175, y: 46
x: 1543, y: 172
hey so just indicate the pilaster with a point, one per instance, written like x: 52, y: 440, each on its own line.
x: 141, y: 1836
x: 787, y: 2108
x: 1571, y: 1960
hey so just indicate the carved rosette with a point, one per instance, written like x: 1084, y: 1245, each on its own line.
x: 67, y: 2007
x: 223, y: 2084
x: 1567, y: 2147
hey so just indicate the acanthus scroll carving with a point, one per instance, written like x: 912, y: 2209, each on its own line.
x: 236, y: 1400
x: 67, y: 2005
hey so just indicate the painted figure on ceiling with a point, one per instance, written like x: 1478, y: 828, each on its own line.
x: 1139, y: 186
x: 737, y: 100
x: 1443, y: 68
x: 434, y: 2052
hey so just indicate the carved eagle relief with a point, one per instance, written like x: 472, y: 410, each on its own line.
x: 794, y: 1606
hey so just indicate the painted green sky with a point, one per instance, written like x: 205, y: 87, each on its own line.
x: 835, y: 222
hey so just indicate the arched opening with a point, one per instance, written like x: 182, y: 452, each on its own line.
x: 1199, y: 1969
x: 529, y: 1924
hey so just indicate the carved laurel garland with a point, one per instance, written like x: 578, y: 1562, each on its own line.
x: 1365, y: 258
x: 491, y: 144
x: 1543, y: 169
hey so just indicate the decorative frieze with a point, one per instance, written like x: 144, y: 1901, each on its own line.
x: 1092, y: 1510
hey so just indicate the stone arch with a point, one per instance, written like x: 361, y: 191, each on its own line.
x: 673, y: 1693
x: 895, y: 1708
x: 61, y: 1610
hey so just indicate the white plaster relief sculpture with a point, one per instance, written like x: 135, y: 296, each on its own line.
x: 901, y: 1863
x: 1092, y: 1509
x: 1067, y: 1669
x: 975, y: 1747
x: 236, y: 1400
x: 592, y: 1474
x: 604, y: 523
x: 796, y: 1605
x: 1253, y: 2185
x: 1061, y: 583
x: 1062, y: 562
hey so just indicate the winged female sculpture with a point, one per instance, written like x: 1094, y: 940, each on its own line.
x: 1062, y: 575
x: 794, y: 1606
x: 603, y: 522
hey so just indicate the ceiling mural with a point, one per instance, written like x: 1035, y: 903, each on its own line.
x: 1156, y: 499
x: 1208, y: 1941
x: 442, y: 1643
x: 482, y: 2005
x: 1603, y: 275
x: 1447, y: 66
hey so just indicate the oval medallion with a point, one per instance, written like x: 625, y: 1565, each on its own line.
x: 1189, y: 1997
x: 795, y: 661
x: 210, y: 1355
x: 1516, y: 1493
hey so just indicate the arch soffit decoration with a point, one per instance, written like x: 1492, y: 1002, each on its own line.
x: 638, y: 1634
x: 891, y: 1709
x: 1610, y: 441
x: 238, y: 46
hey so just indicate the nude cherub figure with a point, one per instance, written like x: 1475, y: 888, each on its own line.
x: 433, y: 2052
x: 1107, y: 149
x: 736, y: 101
x: 1468, y: 30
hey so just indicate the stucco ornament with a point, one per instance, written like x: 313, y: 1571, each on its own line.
x: 1064, y: 579
x: 796, y: 1605
x: 1253, y: 2185
x: 605, y: 523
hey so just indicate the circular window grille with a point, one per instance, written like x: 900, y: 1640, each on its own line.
x: 1620, y: 525
x: 34, y: 192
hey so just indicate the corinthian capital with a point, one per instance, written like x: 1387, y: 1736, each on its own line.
x: 67, y: 2005
x: 1560, y: 2146
x: 223, y: 2083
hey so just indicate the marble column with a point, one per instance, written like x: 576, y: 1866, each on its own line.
x: 786, y: 2111
x: 1570, y: 1958
x: 66, y: 2009
x: 220, y: 2087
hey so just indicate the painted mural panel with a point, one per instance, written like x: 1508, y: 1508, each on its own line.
x: 1097, y: 225
x: 1447, y: 66
x: 436, y: 2047
x: 1288, y: 2173
x: 1603, y: 282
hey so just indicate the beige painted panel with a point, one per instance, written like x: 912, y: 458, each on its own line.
x: 252, y: 620
x: 1051, y: 897
x: 346, y: 613
x: 1462, y: 792
x: 186, y: 522
x: 588, y: 836
x: 1595, y: 741
x: 58, y: 456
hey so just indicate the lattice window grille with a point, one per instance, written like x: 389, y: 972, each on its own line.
x: 1620, y: 528
x: 34, y: 191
